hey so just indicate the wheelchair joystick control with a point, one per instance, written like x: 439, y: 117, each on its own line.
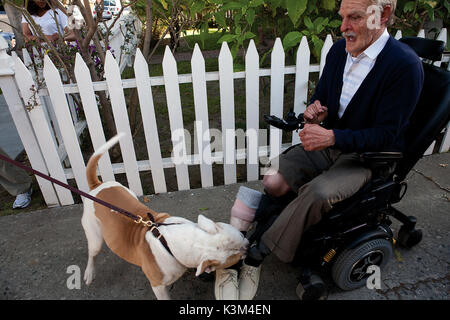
x: 290, y: 123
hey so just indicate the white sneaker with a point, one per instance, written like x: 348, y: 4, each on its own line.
x: 248, y: 281
x: 226, y: 286
x: 23, y: 199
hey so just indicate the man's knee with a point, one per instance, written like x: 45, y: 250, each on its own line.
x: 275, y: 184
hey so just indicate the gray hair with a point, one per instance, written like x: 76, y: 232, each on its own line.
x: 383, y: 3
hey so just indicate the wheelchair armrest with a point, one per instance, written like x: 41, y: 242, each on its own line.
x: 381, y: 156
x: 382, y: 164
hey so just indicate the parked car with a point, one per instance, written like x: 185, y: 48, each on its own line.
x: 9, y: 37
x: 107, y: 10
x: 112, y: 6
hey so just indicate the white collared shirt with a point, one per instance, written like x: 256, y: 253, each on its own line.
x: 356, y: 69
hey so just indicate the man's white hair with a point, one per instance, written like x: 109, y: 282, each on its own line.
x: 383, y: 3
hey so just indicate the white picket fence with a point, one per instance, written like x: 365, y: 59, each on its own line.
x: 38, y: 140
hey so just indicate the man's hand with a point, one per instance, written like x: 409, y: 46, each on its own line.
x: 315, y: 113
x: 316, y: 138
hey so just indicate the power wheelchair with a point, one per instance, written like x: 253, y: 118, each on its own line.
x: 356, y: 232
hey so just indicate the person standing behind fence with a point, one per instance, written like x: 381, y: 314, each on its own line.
x: 16, y: 181
x: 52, y: 21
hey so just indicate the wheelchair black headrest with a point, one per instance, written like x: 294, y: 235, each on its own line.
x: 429, y: 118
x: 425, y: 48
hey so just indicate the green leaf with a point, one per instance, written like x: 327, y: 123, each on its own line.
x: 164, y: 4
x: 234, y: 50
x: 232, y: 6
x: 275, y: 3
x: 317, y: 44
x: 197, y: 6
x: 335, y: 23
x: 308, y: 23
x: 409, y: 6
x: 249, y: 35
x: 220, y: 19
x: 320, y: 26
x: 255, y: 3
x: 328, y: 4
x: 226, y: 38
x: 291, y: 39
x: 295, y: 9
x: 430, y: 12
x: 447, y: 5
x: 250, y: 16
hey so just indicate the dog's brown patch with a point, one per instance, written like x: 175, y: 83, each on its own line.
x: 123, y: 236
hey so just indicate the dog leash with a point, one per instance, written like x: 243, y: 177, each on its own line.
x: 151, y: 224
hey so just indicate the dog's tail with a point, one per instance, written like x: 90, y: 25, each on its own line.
x: 91, y: 167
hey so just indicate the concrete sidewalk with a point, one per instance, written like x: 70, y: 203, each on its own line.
x: 37, y: 248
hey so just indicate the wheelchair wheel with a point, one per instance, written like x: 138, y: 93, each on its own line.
x: 349, y: 270
x: 409, y: 238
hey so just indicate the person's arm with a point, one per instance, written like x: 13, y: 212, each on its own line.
x: 28, y: 35
x: 395, y: 107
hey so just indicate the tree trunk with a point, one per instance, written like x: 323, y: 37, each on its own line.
x: 15, y: 19
x: 148, y: 29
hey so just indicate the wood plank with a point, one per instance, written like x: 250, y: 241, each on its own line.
x: 62, y: 112
x: 112, y: 75
x: 226, y: 85
x: 149, y: 122
x: 42, y: 130
x: 276, y: 95
x: 252, y: 110
x: 92, y: 115
x: 201, y: 116
x: 175, y: 119
x: 301, y: 83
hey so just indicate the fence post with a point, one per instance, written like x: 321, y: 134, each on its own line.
x: 22, y: 123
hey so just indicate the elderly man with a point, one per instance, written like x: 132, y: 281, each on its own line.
x: 364, y: 98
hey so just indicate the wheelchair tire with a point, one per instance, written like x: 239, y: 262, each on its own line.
x: 349, y: 269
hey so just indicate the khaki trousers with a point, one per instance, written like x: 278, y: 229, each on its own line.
x: 320, y: 179
x: 15, y: 180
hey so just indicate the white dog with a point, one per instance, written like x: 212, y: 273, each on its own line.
x: 204, y: 245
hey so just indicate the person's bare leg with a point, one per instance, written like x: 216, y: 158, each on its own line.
x: 275, y: 184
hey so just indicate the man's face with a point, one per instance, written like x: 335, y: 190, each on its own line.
x: 355, y: 29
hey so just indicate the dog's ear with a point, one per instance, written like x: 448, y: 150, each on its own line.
x: 207, y: 266
x: 206, y: 224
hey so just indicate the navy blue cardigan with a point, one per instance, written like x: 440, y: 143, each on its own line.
x: 377, y: 115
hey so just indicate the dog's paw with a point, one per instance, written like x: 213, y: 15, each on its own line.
x: 89, y: 276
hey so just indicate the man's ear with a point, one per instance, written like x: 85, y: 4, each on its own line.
x: 385, y: 14
x: 206, y: 224
x: 207, y: 266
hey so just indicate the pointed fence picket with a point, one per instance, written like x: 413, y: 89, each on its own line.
x: 301, y: 82
x: 176, y: 119
x: 41, y: 127
x: 201, y: 117
x: 52, y: 145
x: 64, y: 118
x: 119, y: 108
x: 91, y: 112
x: 226, y: 84
x: 252, y: 110
x: 149, y: 122
x: 276, y: 95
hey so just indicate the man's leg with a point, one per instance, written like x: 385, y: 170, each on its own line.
x: 226, y: 285
x: 343, y: 179
x: 295, y: 168
x: 16, y: 181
